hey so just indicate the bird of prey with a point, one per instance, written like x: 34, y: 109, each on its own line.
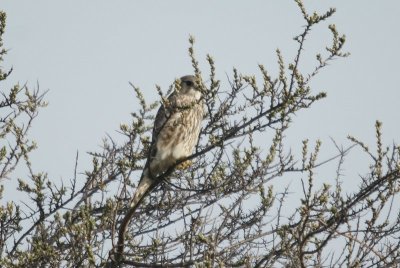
x: 175, y: 134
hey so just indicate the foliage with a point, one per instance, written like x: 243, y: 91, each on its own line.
x: 221, y: 212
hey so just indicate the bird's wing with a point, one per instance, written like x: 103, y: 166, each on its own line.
x: 146, y: 182
x: 163, y: 114
x: 159, y: 122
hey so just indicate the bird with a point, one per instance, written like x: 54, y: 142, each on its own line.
x: 175, y: 134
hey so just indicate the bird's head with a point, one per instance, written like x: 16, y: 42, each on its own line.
x: 188, y: 86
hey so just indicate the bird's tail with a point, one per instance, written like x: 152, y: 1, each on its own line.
x: 144, y: 186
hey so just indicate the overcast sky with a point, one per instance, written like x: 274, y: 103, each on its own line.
x: 86, y: 52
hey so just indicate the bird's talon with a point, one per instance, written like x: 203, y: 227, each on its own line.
x: 184, y: 165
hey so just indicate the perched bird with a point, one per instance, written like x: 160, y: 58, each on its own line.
x: 175, y: 134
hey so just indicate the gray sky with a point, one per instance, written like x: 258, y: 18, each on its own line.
x: 86, y: 52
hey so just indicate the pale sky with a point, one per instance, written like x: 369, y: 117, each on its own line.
x: 86, y: 53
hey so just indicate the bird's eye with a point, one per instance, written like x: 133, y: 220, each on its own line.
x: 189, y: 83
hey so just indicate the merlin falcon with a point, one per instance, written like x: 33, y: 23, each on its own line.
x: 175, y: 134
